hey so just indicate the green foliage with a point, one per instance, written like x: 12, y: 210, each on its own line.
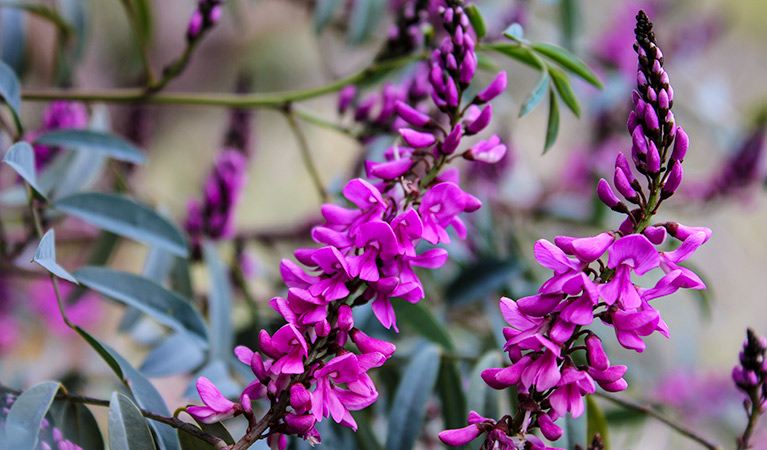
x: 21, y: 158
x: 596, y: 422
x: 128, y: 430
x: 95, y: 141
x: 45, y: 256
x: 10, y: 91
x: 420, y: 318
x: 22, y: 425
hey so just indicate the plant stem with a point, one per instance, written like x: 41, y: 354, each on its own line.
x: 172, y: 421
x: 306, y: 156
x: 645, y: 409
x: 140, y: 41
x: 267, y: 100
x: 753, y: 419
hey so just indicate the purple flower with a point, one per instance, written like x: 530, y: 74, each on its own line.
x: 440, y: 208
x: 217, y: 407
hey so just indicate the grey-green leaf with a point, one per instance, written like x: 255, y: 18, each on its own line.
x: 410, y: 399
x: 10, y: 91
x: 422, y: 321
x: 125, y: 217
x: 569, y: 61
x: 107, y: 144
x: 476, y: 19
x: 78, y: 425
x: 323, y: 12
x: 176, y: 354
x: 564, y: 89
x: 482, y: 398
x: 23, y: 422
x: 21, y: 157
x: 536, y: 94
x: 219, y: 304
x: 128, y: 429
x: 148, y: 296
x: 46, y: 257
x: 552, y: 127
x: 449, y: 386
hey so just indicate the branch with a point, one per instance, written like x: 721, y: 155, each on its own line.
x: 140, y: 40
x: 306, y: 155
x: 172, y: 421
x: 646, y: 409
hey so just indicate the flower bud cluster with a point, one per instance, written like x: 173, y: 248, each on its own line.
x: 59, y: 115
x: 546, y: 329
x: 207, y: 14
x: 746, y: 167
x: 406, y: 33
x: 305, y: 369
x: 750, y: 375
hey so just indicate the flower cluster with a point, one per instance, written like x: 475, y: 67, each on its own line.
x: 406, y: 33
x: 369, y: 256
x: 750, y: 377
x: 59, y: 115
x: 207, y: 14
x: 549, y: 327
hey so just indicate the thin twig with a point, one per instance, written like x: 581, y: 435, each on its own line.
x: 306, y: 156
x: 681, y: 429
x: 140, y: 41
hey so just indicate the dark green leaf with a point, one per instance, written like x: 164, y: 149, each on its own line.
x: 596, y: 422
x: 216, y: 429
x: 449, y: 387
x: 219, y: 304
x: 21, y: 157
x: 78, y: 425
x: 143, y: 391
x: 536, y: 94
x: 482, y: 398
x: 476, y: 19
x: 476, y: 282
x: 564, y: 89
x: 569, y: 61
x: 148, y: 296
x: 23, y: 422
x: 128, y: 429
x: 552, y: 127
x: 176, y: 354
x: 10, y: 91
x: 517, y: 52
x: 189, y: 442
x: 570, y: 17
x: 125, y: 217
x: 108, y: 144
x: 46, y: 257
x: 422, y: 321
x: 411, y: 398
x: 323, y: 13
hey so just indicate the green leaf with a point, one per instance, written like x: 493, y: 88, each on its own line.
x: 190, y: 442
x: 143, y: 391
x: 454, y: 409
x: 142, y: 9
x: 596, y: 422
x: 13, y: 39
x: 536, y: 94
x: 128, y: 429
x: 421, y: 320
x: 125, y: 217
x: 569, y: 61
x: 411, y: 398
x: 156, y: 268
x: 46, y: 257
x: 552, y: 127
x: 476, y: 19
x: 482, y: 398
x: 564, y: 89
x: 10, y: 91
x: 476, y: 282
x: 78, y: 425
x: 219, y: 304
x: 216, y: 429
x: 574, y: 431
x: 176, y: 354
x: 148, y: 296
x: 517, y: 52
x: 364, y: 436
x: 570, y: 19
x: 364, y: 19
x: 107, y: 144
x: 515, y: 32
x: 21, y: 157
x: 23, y: 422
x: 323, y: 12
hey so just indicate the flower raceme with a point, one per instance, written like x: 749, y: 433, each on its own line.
x: 546, y: 329
x: 368, y: 254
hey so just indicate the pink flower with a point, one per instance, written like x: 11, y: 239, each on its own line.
x: 217, y: 407
x: 440, y: 208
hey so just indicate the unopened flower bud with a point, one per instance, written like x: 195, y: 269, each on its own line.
x: 651, y: 118
x: 345, y: 98
x: 450, y: 62
x: 653, y: 158
x: 412, y: 115
x: 417, y: 139
x: 460, y: 436
x: 497, y: 86
x: 299, y: 424
x: 663, y: 102
x: 624, y: 186
x: 266, y: 346
x: 596, y: 353
x: 673, y: 180
x: 367, y: 344
x: 468, y: 67
x: 632, y: 122
x: 481, y: 121
x: 345, y: 319
x: 300, y: 398
x: 195, y: 25
x: 681, y: 143
x: 451, y: 93
x: 436, y: 79
x: 641, y: 79
x: 606, y: 194
x: 622, y: 163
x: 452, y: 140
x: 548, y: 428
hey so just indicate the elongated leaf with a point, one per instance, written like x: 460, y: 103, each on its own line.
x: 12, y: 38
x: 536, y: 94
x: 364, y: 19
x: 476, y: 19
x: 78, y: 425
x: 176, y: 354
x: 10, y: 91
x: 21, y: 157
x: 46, y: 257
x: 454, y: 409
x: 125, y: 217
x: 323, y: 12
x: 189, y: 442
x: 574, y: 431
x: 157, y: 265
x: 570, y: 20
x: 482, y: 398
x: 128, y: 429
x: 552, y: 127
x: 22, y: 425
x: 569, y: 61
x: 411, y: 398
x: 515, y: 51
x: 596, y: 422
x: 219, y: 304
x: 107, y: 144
x: 143, y: 391
x: 216, y: 429
x: 148, y: 296
x: 515, y: 32
x: 422, y: 321
x: 564, y: 89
